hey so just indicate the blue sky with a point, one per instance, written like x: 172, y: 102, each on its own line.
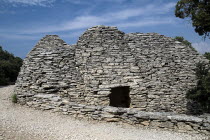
x: 24, y: 22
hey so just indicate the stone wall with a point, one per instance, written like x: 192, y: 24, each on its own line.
x: 50, y: 69
x: 158, y: 70
x: 157, y: 120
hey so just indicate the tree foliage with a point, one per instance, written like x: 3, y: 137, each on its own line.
x: 199, y: 13
x: 207, y: 55
x: 201, y: 93
x: 9, y: 67
x: 185, y: 42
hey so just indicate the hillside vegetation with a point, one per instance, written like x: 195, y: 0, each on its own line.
x: 9, y: 67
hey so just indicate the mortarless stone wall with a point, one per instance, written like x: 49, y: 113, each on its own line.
x: 158, y: 70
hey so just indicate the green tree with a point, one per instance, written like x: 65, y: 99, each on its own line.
x: 9, y: 67
x: 185, y: 42
x: 199, y: 13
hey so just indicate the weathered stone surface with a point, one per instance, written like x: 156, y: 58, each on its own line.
x: 185, y: 118
x: 151, y: 115
x: 114, y: 110
x: 113, y: 114
x: 110, y: 109
x: 158, y: 69
x: 183, y: 126
x: 207, y: 126
x: 112, y: 119
x: 78, y: 79
x: 92, y: 67
x: 167, y: 124
x: 155, y: 124
x: 208, y: 118
x: 145, y: 123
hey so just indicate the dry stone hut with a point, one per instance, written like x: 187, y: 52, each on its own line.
x: 107, y: 67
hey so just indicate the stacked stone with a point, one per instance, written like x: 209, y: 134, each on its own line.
x: 78, y: 79
x: 157, y: 69
x: 166, y: 69
x: 49, y: 68
x: 157, y: 120
x: 104, y: 60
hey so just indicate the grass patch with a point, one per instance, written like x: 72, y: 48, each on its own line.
x: 14, y: 98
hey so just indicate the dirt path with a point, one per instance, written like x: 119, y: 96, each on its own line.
x: 23, y: 123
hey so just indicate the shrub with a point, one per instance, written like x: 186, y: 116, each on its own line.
x: 207, y: 55
x: 185, y: 42
x: 14, y: 98
x: 201, y: 93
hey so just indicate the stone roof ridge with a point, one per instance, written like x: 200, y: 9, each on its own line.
x: 98, y: 27
x: 98, y: 30
x: 46, y: 37
x: 146, y: 34
x: 51, y: 41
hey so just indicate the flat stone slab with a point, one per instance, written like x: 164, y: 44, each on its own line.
x: 52, y: 97
x: 185, y: 118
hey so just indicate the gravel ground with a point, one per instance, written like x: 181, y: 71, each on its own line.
x: 23, y: 123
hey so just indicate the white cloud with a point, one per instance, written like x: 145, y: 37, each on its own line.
x: 31, y: 2
x: 92, y: 1
x: 6, y: 12
x: 80, y: 22
x: 71, y: 35
x: 143, y: 11
x: 13, y: 36
x: 201, y: 47
x: 77, y: 1
x: 49, y: 2
x: 118, y: 18
x: 136, y: 17
x: 147, y: 22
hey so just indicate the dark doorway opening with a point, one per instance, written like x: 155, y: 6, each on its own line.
x: 119, y: 97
